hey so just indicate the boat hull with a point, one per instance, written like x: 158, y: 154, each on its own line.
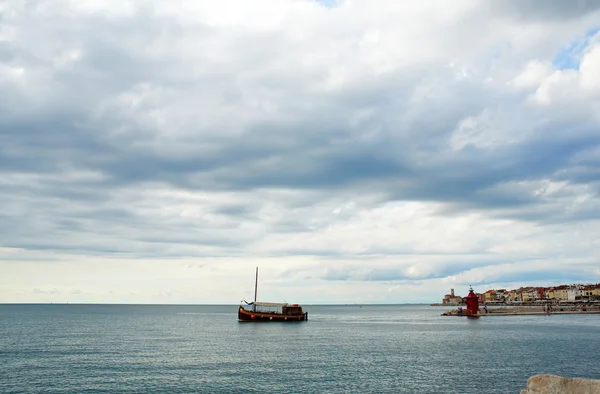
x: 250, y: 316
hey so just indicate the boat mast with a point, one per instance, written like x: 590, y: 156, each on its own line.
x: 255, y: 290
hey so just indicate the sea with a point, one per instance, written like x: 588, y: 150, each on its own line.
x: 340, y: 349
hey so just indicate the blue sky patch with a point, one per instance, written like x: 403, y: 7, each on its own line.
x: 329, y: 3
x: 570, y: 57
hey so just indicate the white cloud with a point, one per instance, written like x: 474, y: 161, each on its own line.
x: 572, y: 86
x: 590, y: 77
x: 532, y: 75
x: 361, y: 152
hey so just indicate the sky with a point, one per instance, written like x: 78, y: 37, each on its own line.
x: 357, y: 151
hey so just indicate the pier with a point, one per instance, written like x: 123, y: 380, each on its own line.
x: 522, y: 311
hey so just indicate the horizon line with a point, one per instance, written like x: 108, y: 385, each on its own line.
x: 194, y: 304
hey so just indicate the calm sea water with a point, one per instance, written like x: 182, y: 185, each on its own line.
x: 187, y: 349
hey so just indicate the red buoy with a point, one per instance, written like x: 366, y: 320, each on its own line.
x: 251, y: 316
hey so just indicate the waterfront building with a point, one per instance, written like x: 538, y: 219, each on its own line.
x: 587, y: 291
x: 574, y: 292
x: 480, y: 298
x: 489, y: 296
x: 561, y: 293
x: 452, y: 299
x: 526, y: 294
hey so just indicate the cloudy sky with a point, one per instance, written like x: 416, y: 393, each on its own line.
x: 361, y: 151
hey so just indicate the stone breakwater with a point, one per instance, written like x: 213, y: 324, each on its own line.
x: 511, y: 311
x: 552, y: 384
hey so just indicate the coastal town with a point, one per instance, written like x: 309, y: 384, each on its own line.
x: 574, y: 293
x: 564, y: 299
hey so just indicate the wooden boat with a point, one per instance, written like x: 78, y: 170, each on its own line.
x: 270, y: 311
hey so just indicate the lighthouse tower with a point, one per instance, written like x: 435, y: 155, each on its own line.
x: 472, y: 303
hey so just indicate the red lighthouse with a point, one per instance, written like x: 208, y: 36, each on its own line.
x: 472, y: 303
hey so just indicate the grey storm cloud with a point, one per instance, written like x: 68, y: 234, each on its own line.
x: 547, y: 10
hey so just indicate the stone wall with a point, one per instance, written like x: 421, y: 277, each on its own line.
x: 552, y: 384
